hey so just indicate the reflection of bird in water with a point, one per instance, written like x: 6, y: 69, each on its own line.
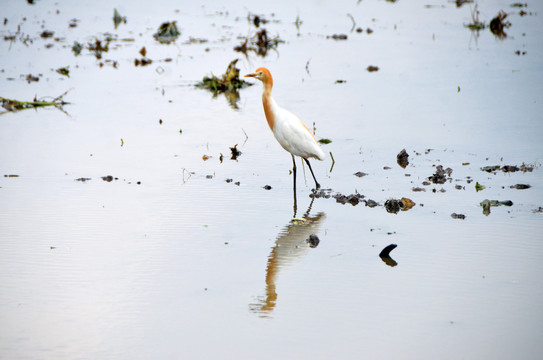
x: 291, y: 245
x: 289, y: 131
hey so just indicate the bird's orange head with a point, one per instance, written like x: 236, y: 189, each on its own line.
x: 263, y: 75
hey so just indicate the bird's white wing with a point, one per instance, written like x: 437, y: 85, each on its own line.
x: 294, y: 137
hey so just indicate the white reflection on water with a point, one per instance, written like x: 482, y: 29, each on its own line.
x: 291, y: 245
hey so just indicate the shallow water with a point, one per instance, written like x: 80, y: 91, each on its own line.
x: 180, y: 265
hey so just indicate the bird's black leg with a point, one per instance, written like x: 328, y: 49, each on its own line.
x: 317, y: 185
x: 294, y: 184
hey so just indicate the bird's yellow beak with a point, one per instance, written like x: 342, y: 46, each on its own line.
x: 249, y: 75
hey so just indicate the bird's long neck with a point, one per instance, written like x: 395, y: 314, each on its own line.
x: 267, y: 103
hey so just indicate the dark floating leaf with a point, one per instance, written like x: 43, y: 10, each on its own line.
x: 385, y: 255
x: 325, y: 141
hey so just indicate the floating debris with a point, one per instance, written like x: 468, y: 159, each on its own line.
x: 476, y: 24
x: 83, y: 179
x: 353, y: 199
x: 109, y: 178
x: 229, y: 84
x: 393, y: 205
x: 144, y: 60
x: 260, y: 43
x: 15, y: 105
x: 371, y: 203
x: 440, y: 176
x: 479, y: 187
x: 47, y: 34
x: 118, y: 19
x: 360, y: 174
x: 372, y: 68
x: 31, y: 78
x: 458, y: 216
x: 498, y: 24
x: 99, y: 46
x: 486, y: 204
x: 325, y: 141
x: 385, y: 255
x: 402, y: 158
x: 520, y: 186
x: 167, y: 33
x: 508, y: 168
x: 235, y: 152
x: 313, y: 241
x: 337, y: 37
x: 64, y: 71
x: 206, y: 157
x: 76, y: 48
x: 267, y: 187
x: 11, y: 176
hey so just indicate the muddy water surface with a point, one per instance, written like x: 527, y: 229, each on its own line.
x: 167, y: 259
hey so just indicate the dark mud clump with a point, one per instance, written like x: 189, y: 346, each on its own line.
x: 508, y: 168
x: 498, y: 25
x: 235, y: 152
x: 228, y: 84
x: 353, y: 199
x: 385, y: 255
x: 167, y: 33
x: 267, y: 187
x: 520, y: 186
x: 441, y: 175
x: 313, y: 241
x: 402, y: 158
x: 458, y: 216
x: 337, y: 37
x: 393, y: 206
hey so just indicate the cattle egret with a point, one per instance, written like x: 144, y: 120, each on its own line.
x: 289, y: 131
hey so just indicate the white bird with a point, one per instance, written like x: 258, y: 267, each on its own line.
x: 289, y: 131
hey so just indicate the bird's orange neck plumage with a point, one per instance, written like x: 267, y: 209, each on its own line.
x: 267, y: 98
